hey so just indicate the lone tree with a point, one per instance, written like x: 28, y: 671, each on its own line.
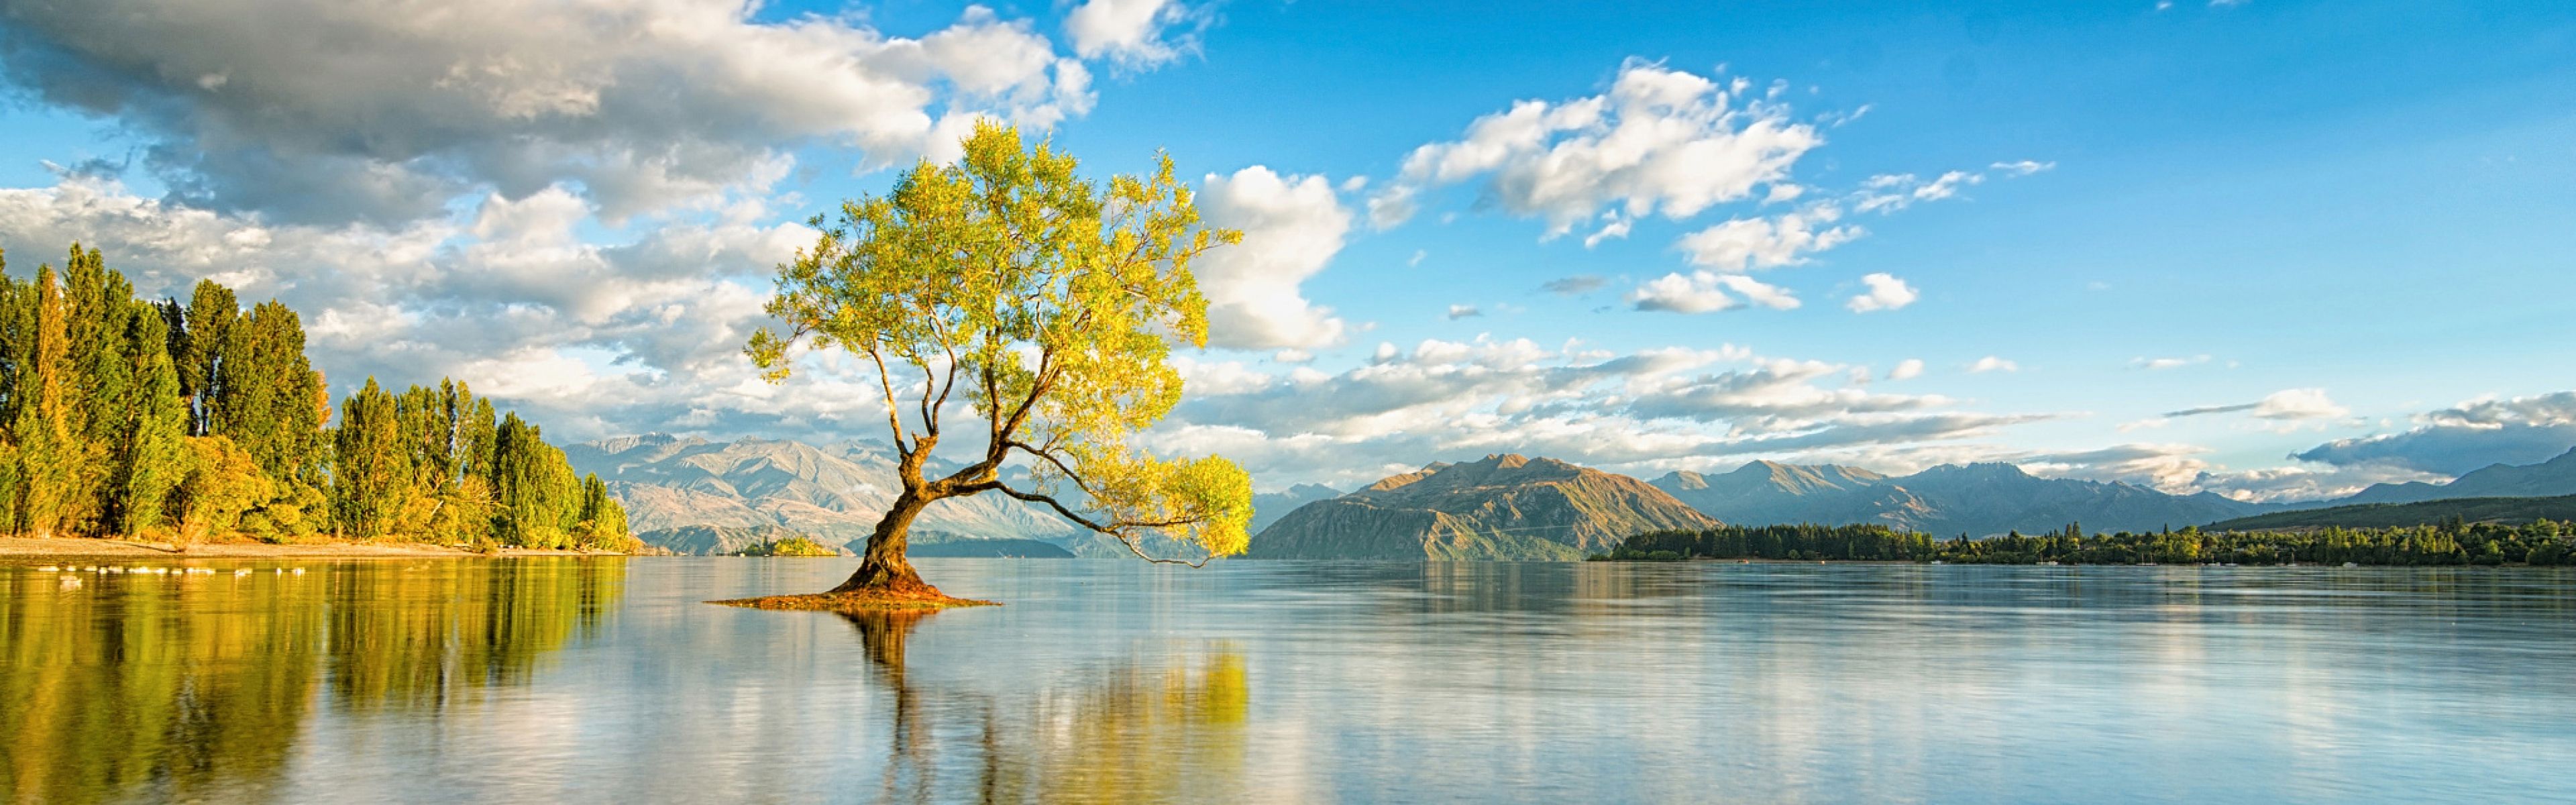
x: 1049, y: 306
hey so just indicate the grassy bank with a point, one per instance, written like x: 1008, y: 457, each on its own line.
x: 25, y: 546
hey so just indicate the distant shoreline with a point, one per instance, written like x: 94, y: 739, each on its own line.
x: 84, y: 546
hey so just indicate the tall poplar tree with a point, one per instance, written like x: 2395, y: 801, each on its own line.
x: 371, y: 474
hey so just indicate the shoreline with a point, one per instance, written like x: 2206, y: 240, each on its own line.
x: 115, y: 548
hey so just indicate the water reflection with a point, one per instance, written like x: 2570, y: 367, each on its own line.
x: 1170, y: 731
x: 197, y: 686
x: 1294, y: 682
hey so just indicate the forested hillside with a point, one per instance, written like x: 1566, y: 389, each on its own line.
x: 121, y: 416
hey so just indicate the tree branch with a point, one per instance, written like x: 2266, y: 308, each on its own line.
x: 885, y: 381
x: 1116, y: 528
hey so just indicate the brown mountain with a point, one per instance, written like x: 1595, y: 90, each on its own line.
x: 1504, y: 507
x: 834, y: 493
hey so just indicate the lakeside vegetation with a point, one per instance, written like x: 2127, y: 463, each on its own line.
x: 2454, y: 542
x: 2510, y: 511
x: 791, y: 546
x: 125, y: 417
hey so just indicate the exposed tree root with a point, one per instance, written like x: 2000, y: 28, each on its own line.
x: 865, y: 600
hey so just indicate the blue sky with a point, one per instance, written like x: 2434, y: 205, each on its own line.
x: 2349, y: 223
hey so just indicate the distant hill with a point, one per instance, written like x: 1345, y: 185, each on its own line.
x: 1504, y: 507
x: 2508, y: 511
x: 991, y: 549
x: 2551, y: 478
x: 1974, y: 499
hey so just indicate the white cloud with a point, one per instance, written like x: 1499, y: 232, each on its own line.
x: 1292, y: 227
x: 1743, y: 244
x: 1891, y: 192
x: 1457, y: 312
x: 2284, y: 405
x: 644, y: 104
x: 1639, y: 412
x: 1659, y: 141
x: 2143, y: 362
x: 600, y: 339
x: 1991, y: 363
x: 1131, y: 32
x: 1706, y: 292
x: 1907, y: 369
x: 1677, y: 293
x: 2022, y: 168
x: 2465, y: 437
x: 1770, y: 296
x: 1886, y: 292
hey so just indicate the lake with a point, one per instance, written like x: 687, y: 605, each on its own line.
x: 606, y: 680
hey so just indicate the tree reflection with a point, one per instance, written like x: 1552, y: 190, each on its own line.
x: 179, y: 687
x: 1132, y: 733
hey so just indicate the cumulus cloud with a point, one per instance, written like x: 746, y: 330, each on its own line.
x: 2468, y: 436
x: 1133, y: 33
x: 1886, y: 292
x: 1907, y: 369
x: 1292, y: 227
x: 1659, y: 141
x: 1991, y: 363
x: 1457, y: 312
x: 641, y: 104
x: 1743, y: 244
x: 604, y: 339
x: 1706, y: 292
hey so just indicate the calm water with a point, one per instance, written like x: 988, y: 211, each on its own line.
x: 545, y: 680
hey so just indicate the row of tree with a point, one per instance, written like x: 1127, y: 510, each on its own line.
x: 124, y: 416
x: 2450, y: 543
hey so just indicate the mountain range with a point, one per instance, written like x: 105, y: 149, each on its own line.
x: 1973, y: 499
x: 1504, y: 507
x: 749, y: 490
x: 2550, y: 478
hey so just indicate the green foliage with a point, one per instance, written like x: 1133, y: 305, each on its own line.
x: 371, y: 479
x: 791, y: 546
x: 2455, y: 543
x: 121, y: 416
x: 1046, y: 302
x: 221, y: 483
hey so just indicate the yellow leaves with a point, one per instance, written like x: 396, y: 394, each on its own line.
x: 1054, y: 303
x: 1207, y: 501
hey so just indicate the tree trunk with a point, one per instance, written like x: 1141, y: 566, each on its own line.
x: 883, y: 568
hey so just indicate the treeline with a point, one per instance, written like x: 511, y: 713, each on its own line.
x: 2450, y: 543
x: 122, y: 416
